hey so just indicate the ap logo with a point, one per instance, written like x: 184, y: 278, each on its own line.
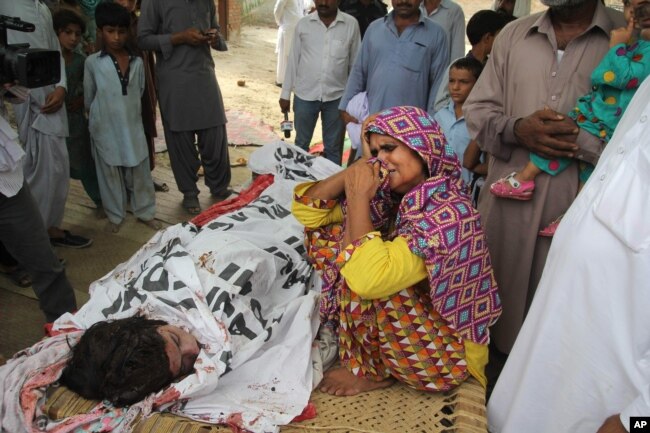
x: 640, y: 424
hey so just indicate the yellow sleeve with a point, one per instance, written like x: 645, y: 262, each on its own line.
x: 313, y: 213
x: 376, y: 268
x: 476, y: 356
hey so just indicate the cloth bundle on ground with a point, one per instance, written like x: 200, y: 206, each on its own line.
x: 240, y: 284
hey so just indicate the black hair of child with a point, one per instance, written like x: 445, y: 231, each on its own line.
x: 468, y: 64
x: 485, y: 21
x: 62, y: 18
x: 112, y: 14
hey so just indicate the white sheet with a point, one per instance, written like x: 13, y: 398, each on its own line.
x: 241, y: 285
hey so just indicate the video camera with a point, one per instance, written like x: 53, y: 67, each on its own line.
x: 31, y: 67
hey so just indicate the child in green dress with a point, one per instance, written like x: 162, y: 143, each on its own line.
x: 69, y: 27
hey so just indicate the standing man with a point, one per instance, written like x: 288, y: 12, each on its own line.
x: 287, y: 13
x: 402, y: 59
x: 580, y: 363
x: 181, y: 33
x: 324, y: 47
x: 450, y: 17
x: 538, y: 67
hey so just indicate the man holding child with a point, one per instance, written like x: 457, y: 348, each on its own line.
x: 538, y: 67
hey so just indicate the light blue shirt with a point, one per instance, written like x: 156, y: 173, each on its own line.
x: 456, y: 133
x: 115, y: 110
x: 398, y: 69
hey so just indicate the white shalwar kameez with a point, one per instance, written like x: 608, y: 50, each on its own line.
x: 583, y: 352
x: 287, y: 13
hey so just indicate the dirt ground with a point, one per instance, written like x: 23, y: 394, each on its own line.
x: 253, y: 60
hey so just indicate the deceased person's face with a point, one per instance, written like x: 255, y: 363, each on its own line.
x: 181, y: 348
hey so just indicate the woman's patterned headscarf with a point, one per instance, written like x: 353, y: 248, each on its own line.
x: 417, y: 130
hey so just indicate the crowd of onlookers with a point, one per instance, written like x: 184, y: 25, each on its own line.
x: 347, y: 62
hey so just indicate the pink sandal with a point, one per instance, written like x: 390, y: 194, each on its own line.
x: 509, y: 187
x: 550, y: 229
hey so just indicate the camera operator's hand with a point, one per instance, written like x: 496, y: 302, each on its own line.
x: 54, y: 101
x: 6, y: 93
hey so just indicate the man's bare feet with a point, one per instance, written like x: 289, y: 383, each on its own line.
x: 152, y: 223
x: 112, y: 227
x: 100, y: 213
x: 341, y: 382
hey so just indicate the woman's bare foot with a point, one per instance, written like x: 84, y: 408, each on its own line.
x: 340, y: 381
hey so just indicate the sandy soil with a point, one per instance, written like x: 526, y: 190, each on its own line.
x: 253, y: 59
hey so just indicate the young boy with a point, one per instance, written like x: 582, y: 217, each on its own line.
x: 69, y: 28
x: 463, y: 74
x: 482, y: 29
x: 113, y: 87
x: 150, y: 97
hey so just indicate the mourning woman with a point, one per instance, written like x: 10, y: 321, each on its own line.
x: 407, y: 282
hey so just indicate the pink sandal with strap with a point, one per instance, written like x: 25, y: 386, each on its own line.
x: 509, y: 187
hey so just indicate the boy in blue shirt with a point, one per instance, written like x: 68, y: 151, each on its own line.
x: 113, y: 87
x: 463, y: 74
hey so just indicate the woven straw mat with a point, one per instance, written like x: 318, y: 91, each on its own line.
x: 394, y: 409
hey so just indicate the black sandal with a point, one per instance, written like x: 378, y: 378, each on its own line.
x: 191, y: 204
x: 160, y: 186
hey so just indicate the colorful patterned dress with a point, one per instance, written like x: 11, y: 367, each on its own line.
x: 614, y: 82
x: 414, y: 298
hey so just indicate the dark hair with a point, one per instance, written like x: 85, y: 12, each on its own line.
x: 62, y: 18
x: 485, y: 21
x: 112, y: 14
x: 122, y: 361
x: 469, y: 64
